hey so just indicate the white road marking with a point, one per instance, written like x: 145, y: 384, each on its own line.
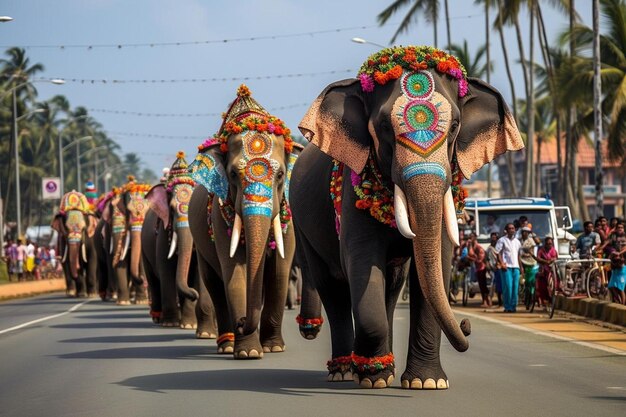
x: 538, y: 365
x: 20, y: 326
x: 543, y: 333
x: 617, y: 388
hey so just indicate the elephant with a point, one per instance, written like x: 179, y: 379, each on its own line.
x: 376, y: 200
x: 169, y: 257
x: 126, y: 213
x: 107, y: 283
x: 242, y: 177
x: 76, y: 224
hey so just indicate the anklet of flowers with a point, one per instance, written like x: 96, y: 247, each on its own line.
x: 339, y: 364
x: 373, y: 365
x: 226, y: 337
x: 309, y: 323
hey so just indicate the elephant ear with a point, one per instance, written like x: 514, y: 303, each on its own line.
x: 291, y: 160
x: 58, y: 224
x: 208, y: 171
x: 487, y: 128
x: 158, y: 201
x: 336, y: 122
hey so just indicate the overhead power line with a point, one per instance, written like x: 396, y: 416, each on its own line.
x: 147, y: 114
x: 198, y: 80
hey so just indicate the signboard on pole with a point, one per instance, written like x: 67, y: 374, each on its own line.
x: 51, y: 188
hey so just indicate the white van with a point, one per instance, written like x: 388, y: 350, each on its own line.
x: 492, y: 214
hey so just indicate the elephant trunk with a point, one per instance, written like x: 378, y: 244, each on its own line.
x: 425, y: 208
x: 135, y: 256
x: 257, y: 232
x: 185, y: 247
x: 74, y: 258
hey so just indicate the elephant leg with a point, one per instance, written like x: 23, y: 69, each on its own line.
x: 166, y: 271
x: 155, y: 291
x: 92, y: 270
x: 397, y: 273
x: 141, y: 289
x: 121, y: 274
x: 373, y: 364
x: 215, y: 288
x: 81, y: 282
x: 276, y: 282
x: 70, y: 284
x: 423, y: 368
x: 205, y: 313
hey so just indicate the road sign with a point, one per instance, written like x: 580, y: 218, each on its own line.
x: 51, y: 188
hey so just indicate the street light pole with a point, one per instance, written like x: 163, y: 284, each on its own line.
x: 363, y: 41
x: 61, y: 150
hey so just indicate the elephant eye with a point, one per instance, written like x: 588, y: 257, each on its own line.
x: 280, y: 175
x: 454, y: 126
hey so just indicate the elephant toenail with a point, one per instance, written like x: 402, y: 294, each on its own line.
x: 366, y: 383
x: 430, y: 384
x: 416, y: 384
x: 380, y: 383
x: 441, y: 384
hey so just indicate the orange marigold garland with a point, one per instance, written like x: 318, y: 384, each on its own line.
x: 226, y: 337
x: 257, y: 123
x: 389, y: 64
x: 459, y: 193
x: 373, y: 365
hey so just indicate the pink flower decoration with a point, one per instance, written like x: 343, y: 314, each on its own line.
x: 456, y: 73
x: 463, y: 87
x: 367, y: 84
x: 354, y: 177
x: 272, y: 244
x: 271, y: 127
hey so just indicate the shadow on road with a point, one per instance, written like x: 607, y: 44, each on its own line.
x: 177, y: 334
x: 290, y: 382
x: 107, y: 325
x: 149, y: 352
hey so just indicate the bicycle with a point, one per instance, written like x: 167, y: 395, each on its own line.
x: 597, y: 281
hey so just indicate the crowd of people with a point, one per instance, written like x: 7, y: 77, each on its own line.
x: 27, y: 261
x: 517, y: 254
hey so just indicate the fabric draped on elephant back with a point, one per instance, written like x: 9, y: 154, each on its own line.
x: 180, y: 185
x: 104, y: 199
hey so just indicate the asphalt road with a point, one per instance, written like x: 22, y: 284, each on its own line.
x: 105, y: 360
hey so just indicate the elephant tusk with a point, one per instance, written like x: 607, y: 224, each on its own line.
x: 126, y: 246
x: 449, y: 215
x: 83, y: 251
x: 278, y: 237
x: 402, y: 216
x: 111, y: 246
x: 234, y: 237
x: 64, y: 255
x: 173, y: 245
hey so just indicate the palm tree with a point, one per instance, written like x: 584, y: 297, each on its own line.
x: 476, y: 67
x: 429, y: 8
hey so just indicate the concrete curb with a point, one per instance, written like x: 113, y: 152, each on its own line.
x: 28, y: 288
x: 593, y: 309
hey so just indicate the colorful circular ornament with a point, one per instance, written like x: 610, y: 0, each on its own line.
x: 421, y: 115
x: 418, y: 85
x: 258, y: 169
x: 258, y: 145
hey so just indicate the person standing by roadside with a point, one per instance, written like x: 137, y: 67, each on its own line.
x: 493, y: 266
x: 617, y: 283
x: 21, y: 257
x: 508, y: 249
x: 587, y: 240
x: 30, y: 260
x: 546, y: 255
x: 476, y: 254
x: 11, y: 256
x: 528, y: 261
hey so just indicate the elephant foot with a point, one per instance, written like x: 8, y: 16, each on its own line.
x: 142, y: 301
x: 102, y: 295
x: 81, y: 295
x: 123, y: 302
x: 226, y: 343
x: 376, y: 372
x: 309, y: 328
x: 340, y: 369
x: 205, y: 335
x: 70, y: 293
x: 274, y: 348
x: 425, y: 375
x: 170, y: 323
x: 248, y: 346
x: 156, y: 316
x: 188, y: 326
x: 92, y: 295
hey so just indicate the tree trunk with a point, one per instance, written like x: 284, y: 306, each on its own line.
x: 530, y: 112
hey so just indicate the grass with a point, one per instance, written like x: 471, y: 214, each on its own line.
x: 4, y: 273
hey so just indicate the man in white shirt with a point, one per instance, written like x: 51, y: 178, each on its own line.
x: 508, y: 249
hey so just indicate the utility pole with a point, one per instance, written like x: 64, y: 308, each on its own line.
x: 597, y: 109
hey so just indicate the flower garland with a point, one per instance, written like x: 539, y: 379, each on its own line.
x: 373, y: 365
x: 339, y: 364
x: 225, y: 337
x: 208, y: 143
x: 309, y: 323
x: 459, y: 193
x: 373, y: 195
x: 390, y: 63
x: 179, y: 180
x: 257, y: 123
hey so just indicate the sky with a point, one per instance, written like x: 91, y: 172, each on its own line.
x: 290, y: 49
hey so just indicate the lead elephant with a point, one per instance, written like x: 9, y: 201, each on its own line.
x: 402, y: 135
x: 242, y: 178
x: 107, y: 283
x: 76, y: 224
x: 178, y: 296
